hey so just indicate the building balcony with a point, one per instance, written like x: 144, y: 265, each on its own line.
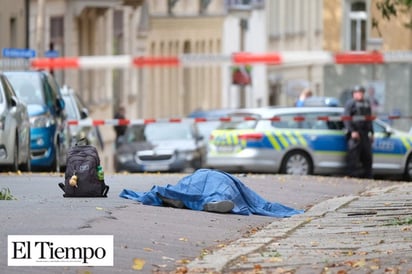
x: 243, y: 5
x: 81, y: 5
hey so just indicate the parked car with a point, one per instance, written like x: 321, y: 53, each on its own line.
x: 302, y: 141
x: 211, y: 119
x: 14, y: 129
x: 320, y: 101
x: 160, y: 146
x: 41, y: 93
x: 77, y: 110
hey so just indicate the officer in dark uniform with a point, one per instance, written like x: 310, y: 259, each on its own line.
x: 359, y: 134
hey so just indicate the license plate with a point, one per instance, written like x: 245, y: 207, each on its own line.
x: 156, y: 168
x: 227, y: 149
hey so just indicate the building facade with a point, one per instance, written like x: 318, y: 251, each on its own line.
x: 348, y: 26
x: 13, y: 24
x: 207, y: 28
x: 294, y: 25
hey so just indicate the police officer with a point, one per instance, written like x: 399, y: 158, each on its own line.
x: 359, y: 134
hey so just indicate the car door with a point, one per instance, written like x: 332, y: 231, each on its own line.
x: 8, y: 124
x: 16, y: 122
x: 320, y: 134
x: 55, y: 99
x: 389, y: 149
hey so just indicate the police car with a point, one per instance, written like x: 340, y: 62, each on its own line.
x: 304, y: 141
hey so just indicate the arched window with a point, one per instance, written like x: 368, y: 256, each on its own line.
x: 357, y: 30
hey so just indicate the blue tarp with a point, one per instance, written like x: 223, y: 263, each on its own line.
x: 206, y: 185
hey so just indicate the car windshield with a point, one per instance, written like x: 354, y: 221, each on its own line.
x: 205, y: 128
x: 158, y: 132
x: 238, y: 125
x: 28, y: 87
x: 241, y: 120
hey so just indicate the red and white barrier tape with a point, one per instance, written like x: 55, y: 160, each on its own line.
x: 125, y: 122
x: 276, y: 58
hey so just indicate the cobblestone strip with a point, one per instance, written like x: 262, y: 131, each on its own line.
x: 279, y: 229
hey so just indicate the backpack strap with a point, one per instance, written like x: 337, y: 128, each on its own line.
x: 105, y: 190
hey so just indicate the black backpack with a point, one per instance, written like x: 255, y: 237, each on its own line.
x: 80, y: 178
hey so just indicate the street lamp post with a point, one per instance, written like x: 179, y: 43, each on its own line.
x: 242, y: 88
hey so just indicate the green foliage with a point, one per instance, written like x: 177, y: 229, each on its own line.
x: 390, y: 9
x: 6, y: 195
x: 399, y: 221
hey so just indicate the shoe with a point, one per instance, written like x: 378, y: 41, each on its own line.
x: 171, y: 202
x: 219, y: 207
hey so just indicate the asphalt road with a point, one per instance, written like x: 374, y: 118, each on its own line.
x: 161, y: 237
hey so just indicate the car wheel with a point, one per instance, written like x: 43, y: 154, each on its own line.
x: 27, y: 165
x: 15, y: 165
x: 297, y: 163
x: 56, y: 161
x: 407, y: 175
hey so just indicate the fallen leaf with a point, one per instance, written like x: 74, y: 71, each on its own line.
x: 183, y: 261
x: 374, y: 267
x: 348, y: 253
x: 138, y: 264
x: 160, y: 265
x: 391, y: 270
x: 275, y: 260
x: 359, y: 263
x: 314, y: 244
x: 181, y: 270
x: 168, y: 258
x: 148, y: 249
x: 243, y: 258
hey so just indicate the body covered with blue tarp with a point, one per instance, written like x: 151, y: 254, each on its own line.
x: 205, y: 186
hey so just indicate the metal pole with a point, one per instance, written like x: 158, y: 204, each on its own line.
x: 40, y: 35
x: 243, y: 28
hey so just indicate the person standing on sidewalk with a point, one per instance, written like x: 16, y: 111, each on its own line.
x: 306, y: 93
x: 359, y: 134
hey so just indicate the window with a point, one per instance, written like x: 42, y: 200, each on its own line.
x: 245, y: 4
x: 357, y: 19
x: 13, y: 32
x: 289, y: 121
x: 309, y: 121
x: 170, y: 5
x: 56, y: 30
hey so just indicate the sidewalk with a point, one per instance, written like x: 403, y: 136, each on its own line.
x: 369, y: 233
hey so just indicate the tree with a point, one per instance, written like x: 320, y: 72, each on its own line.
x: 390, y: 9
